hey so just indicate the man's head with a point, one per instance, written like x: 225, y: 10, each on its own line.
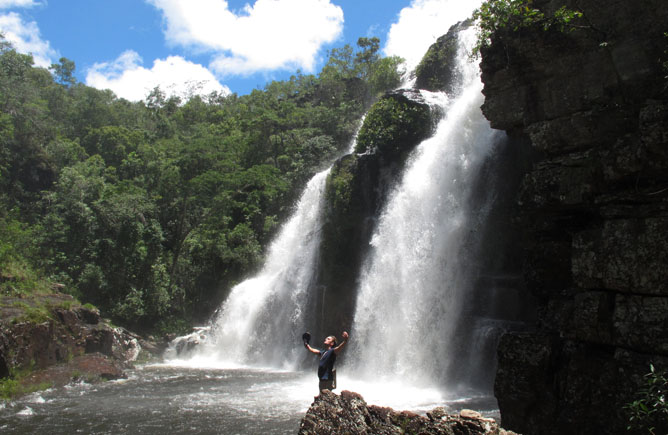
x: 330, y: 341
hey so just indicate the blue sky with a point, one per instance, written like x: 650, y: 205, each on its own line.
x: 196, y: 46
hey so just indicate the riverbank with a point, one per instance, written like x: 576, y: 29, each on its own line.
x: 50, y: 340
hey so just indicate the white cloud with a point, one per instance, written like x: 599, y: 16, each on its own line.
x: 421, y: 23
x: 25, y: 38
x: 128, y: 79
x: 6, y: 4
x: 269, y: 35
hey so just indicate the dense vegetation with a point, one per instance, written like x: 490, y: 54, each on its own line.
x: 392, y: 125
x: 153, y: 210
x: 493, y: 16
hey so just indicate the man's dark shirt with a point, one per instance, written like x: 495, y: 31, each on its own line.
x: 326, y: 364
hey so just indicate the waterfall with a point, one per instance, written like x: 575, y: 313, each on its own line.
x: 414, y: 283
x: 264, y: 316
x: 419, y: 270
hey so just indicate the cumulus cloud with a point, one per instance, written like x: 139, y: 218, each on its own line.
x: 268, y: 35
x: 175, y: 76
x: 421, y: 23
x: 25, y: 38
x: 6, y: 4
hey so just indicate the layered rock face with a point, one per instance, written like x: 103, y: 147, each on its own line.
x: 348, y: 413
x: 594, y: 208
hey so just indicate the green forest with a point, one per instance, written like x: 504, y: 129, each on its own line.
x: 151, y: 211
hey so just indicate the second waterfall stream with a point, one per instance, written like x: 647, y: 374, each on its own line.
x: 420, y: 269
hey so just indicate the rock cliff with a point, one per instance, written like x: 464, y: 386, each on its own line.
x: 594, y: 209
x: 348, y: 413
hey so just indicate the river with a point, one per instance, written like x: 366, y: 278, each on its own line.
x: 162, y: 399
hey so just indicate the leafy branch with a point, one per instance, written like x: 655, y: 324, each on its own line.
x: 651, y: 407
x: 513, y: 15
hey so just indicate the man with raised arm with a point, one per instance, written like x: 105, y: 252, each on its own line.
x: 326, y: 372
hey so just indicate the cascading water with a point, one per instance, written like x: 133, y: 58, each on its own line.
x: 413, y: 322
x: 418, y: 272
x: 260, y: 316
x: 263, y: 317
x: 265, y: 313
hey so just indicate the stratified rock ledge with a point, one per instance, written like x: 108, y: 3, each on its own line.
x: 348, y: 413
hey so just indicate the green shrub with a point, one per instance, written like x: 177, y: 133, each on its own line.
x: 8, y: 388
x: 12, y: 386
x: 649, y: 412
x: 66, y: 305
x: 513, y: 15
x: 339, y: 187
x: 35, y: 315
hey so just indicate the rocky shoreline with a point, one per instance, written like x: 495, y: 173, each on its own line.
x: 51, y: 340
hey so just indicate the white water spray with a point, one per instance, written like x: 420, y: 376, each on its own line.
x: 415, y: 278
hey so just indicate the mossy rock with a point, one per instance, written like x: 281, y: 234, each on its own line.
x: 437, y: 71
x: 394, y: 125
x: 339, y: 188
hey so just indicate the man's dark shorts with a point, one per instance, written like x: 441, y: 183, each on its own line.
x: 326, y: 385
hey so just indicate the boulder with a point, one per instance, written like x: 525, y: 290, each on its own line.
x: 348, y: 413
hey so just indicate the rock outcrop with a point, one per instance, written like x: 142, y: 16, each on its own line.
x: 348, y: 413
x: 51, y: 339
x: 594, y: 208
x: 437, y: 71
x: 355, y: 192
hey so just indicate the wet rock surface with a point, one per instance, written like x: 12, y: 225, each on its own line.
x: 593, y: 103
x: 348, y: 413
